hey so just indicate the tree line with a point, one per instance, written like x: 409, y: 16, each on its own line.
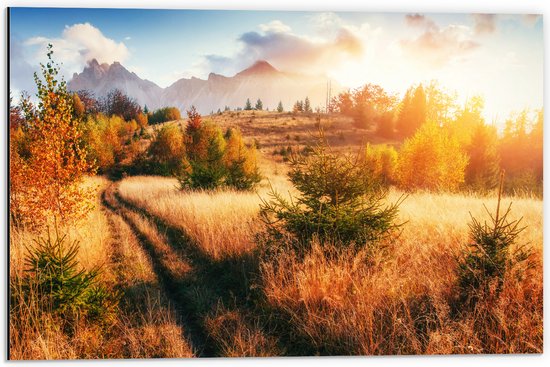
x: 446, y: 145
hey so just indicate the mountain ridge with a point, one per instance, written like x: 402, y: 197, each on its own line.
x: 261, y: 80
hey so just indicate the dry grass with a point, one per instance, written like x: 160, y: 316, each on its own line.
x: 402, y: 304
x: 145, y: 325
x: 342, y: 305
x: 221, y: 223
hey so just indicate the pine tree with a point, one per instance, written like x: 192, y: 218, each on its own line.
x: 307, y: 106
x: 259, y: 105
x: 280, y: 107
x: 248, y: 105
x: 338, y: 202
x: 484, y: 163
x: 489, y: 257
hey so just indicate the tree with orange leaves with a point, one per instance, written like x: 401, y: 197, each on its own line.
x: 45, y: 181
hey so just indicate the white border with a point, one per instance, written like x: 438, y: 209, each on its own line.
x: 421, y: 6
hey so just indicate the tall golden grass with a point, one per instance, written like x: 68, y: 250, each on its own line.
x: 145, y: 325
x: 343, y: 304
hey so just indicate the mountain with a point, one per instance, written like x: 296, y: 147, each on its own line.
x: 260, y: 80
x: 102, y: 78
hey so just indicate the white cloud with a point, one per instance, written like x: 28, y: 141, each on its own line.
x: 79, y: 44
x: 275, y: 26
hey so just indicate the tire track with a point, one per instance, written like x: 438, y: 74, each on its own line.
x: 174, y: 271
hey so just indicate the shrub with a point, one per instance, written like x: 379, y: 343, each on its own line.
x: 61, y: 286
x: 489, y: 259
x: 165, y: 114
x: 338, y: 203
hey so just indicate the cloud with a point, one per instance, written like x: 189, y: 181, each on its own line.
x: 82, y: 43
x: 275, y: 26
x: 21, y: 72
x: 419, y: 20
x: 287, y: 51
x: 437, y: 46
x: 484, y: 23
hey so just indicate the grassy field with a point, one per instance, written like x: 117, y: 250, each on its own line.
x: 195, y: 283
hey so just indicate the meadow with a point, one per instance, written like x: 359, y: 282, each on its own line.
x: 195, y: 284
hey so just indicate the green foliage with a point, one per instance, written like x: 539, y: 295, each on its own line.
x: 164, y: 114
x: 205, y: 168
x: 248, y: 105
x: 338, y: 203
x: 259, y: 105
x: 489, y: 258
x: 61, y: 285
x: 280, y: 107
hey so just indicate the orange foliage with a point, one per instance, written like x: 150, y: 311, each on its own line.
x: 45, y: 180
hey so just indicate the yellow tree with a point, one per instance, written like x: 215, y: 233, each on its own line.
x: 431, y: 160
x: 55, y: 162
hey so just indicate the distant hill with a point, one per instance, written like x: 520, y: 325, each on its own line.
x: 261, y: 80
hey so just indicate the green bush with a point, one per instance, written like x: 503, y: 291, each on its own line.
x: 489, y: 257
x: 339, y: 203
x: 62, y: 286
x: 164, y: 114
x: 215, y: 160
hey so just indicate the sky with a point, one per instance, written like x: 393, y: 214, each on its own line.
x: 499, y: 57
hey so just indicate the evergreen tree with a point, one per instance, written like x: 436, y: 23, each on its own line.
x: 489, y: 258
x: 307, y: 106
x: 280, y: 107
x: 338, y: 203
x: 248, y: 105
x: 259, y: 105
x: 145, y: 109
x: 484, y: 164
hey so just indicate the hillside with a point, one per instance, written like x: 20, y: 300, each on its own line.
x: 272, y: 130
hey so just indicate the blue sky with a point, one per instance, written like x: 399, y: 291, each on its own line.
x: 499, y: 57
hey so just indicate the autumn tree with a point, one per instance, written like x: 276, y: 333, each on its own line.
x: 91, y: 104
x: 167, y: 150
x: 483, y: 158
x: 118, y: 103
x: 412, y: 111
x: 467, y: 119
x: 431, y: 160
x: 51, y: 174
x: 194, y: 120
x: 241, y: 162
